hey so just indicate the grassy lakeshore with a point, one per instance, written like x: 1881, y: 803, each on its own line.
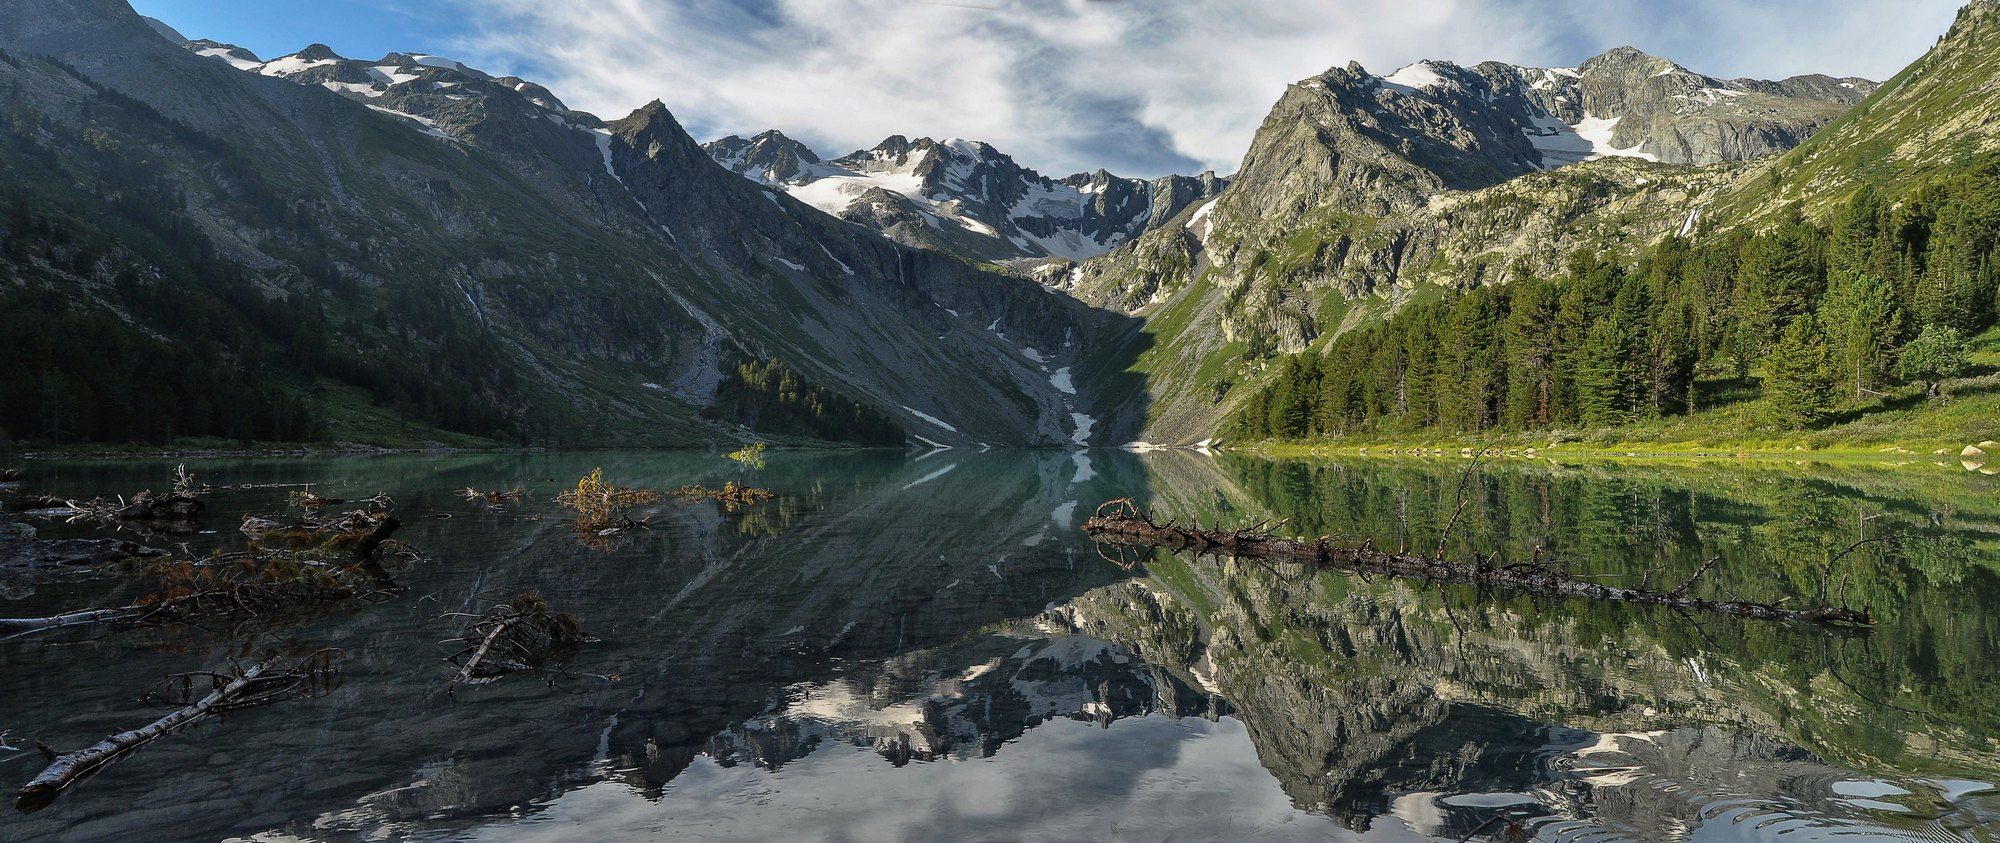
x: 1934, y: 431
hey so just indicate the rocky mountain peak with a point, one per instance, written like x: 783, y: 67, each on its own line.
x: 769, y: 157
x: 1626, y: 60
x: 317, y: 52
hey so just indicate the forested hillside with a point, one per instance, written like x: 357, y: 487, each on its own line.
x: 1813, y: 321
x: 197, y: 251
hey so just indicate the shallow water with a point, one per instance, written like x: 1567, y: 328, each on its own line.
x: 924, y: 647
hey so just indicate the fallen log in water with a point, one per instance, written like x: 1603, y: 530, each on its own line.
x: 1122, y: 522
x: 260, y: 684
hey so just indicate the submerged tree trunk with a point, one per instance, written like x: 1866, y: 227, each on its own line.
x: 260, y: 684
x: 70, y: 767
x: 10, y: 627
x: 1125, y: 524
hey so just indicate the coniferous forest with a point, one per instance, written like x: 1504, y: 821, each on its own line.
x: 770, y: 396
x: 1818, y: 320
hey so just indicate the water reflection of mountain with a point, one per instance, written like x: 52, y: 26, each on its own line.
x: 931, y: 710
x: 1361, y: 694
x: 709, y: 619
x: 943, y: 608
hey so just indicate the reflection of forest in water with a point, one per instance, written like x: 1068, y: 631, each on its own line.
x: 927, y: 610
x: 1385, y: 687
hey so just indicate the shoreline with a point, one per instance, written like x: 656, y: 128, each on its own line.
x: 1884, y: 454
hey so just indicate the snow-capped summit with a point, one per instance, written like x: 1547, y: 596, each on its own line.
x: 441, y: 96
x: 964, y: 196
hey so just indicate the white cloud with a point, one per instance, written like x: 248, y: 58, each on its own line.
x: 1138, y: 86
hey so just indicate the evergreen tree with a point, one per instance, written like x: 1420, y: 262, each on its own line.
x: 1863, y: 321
x: 1529, y: 335
x: 1855, y: 246
x: 1470, y: 370
x: 1671, y: 354
x: 1799, y: 382
x: 1784, y: 275
x: 1603, y: 374
x: 1937, y: 354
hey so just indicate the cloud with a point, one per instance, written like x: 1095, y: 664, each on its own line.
x: 1141, y: 87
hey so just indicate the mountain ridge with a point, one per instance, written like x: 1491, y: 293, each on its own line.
x: 966, y: 197
x: 575, y: 280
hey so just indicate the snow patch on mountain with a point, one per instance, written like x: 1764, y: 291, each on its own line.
x: 1414, y: 78
x: 929, y: 418
x: 1084, y: 422
x: 986, y: 206
x: 428, y: 125
x: 1562, y: 143
x: 235, y: 56
x: 292, y: 64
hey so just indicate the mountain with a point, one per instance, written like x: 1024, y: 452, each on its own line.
x: 408, y: 249
x: 1811, y: 293
x: 409, y: 244
x: 1940, y: 114
x: 1360, y: 190
x: 965, y: 197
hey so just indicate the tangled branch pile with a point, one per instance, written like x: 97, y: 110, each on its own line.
x: 194, y: 697
x: 309, y: 500
x: 603, y: 508
x: 342, y: 566
x: 183, y: 502
x: 358, y: 533
x: 520, y: 634
x: 496, y: 498
x: 1122, y: 522
x: 731, y: 494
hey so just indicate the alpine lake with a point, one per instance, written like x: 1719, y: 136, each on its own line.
x: 924, y: 646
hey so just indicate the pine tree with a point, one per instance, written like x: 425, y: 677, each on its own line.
x: 1603, y: 381
x: 1935, y: 355
x: 1863, y: 321
x: 1799, y: 382
x: 1855, y: 246
x: 1469, y: 369
x: 1529, y: 336
x: 1671, y: 354
x: 1783, y: 277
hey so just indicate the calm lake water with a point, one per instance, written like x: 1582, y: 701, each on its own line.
x: 925, y: 647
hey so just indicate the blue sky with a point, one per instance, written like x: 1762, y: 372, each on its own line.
x: 363, y: 28
x: 1141, y: 87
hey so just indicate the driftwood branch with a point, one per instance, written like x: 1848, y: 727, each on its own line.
x: 519, y: 635
x: 260, y: 684
x: 1122, y: 522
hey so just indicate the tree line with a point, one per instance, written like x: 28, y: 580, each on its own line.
x: 1817, y: 319
x: 770, y: 397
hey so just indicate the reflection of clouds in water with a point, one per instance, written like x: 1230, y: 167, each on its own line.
x: 1144, y: 778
